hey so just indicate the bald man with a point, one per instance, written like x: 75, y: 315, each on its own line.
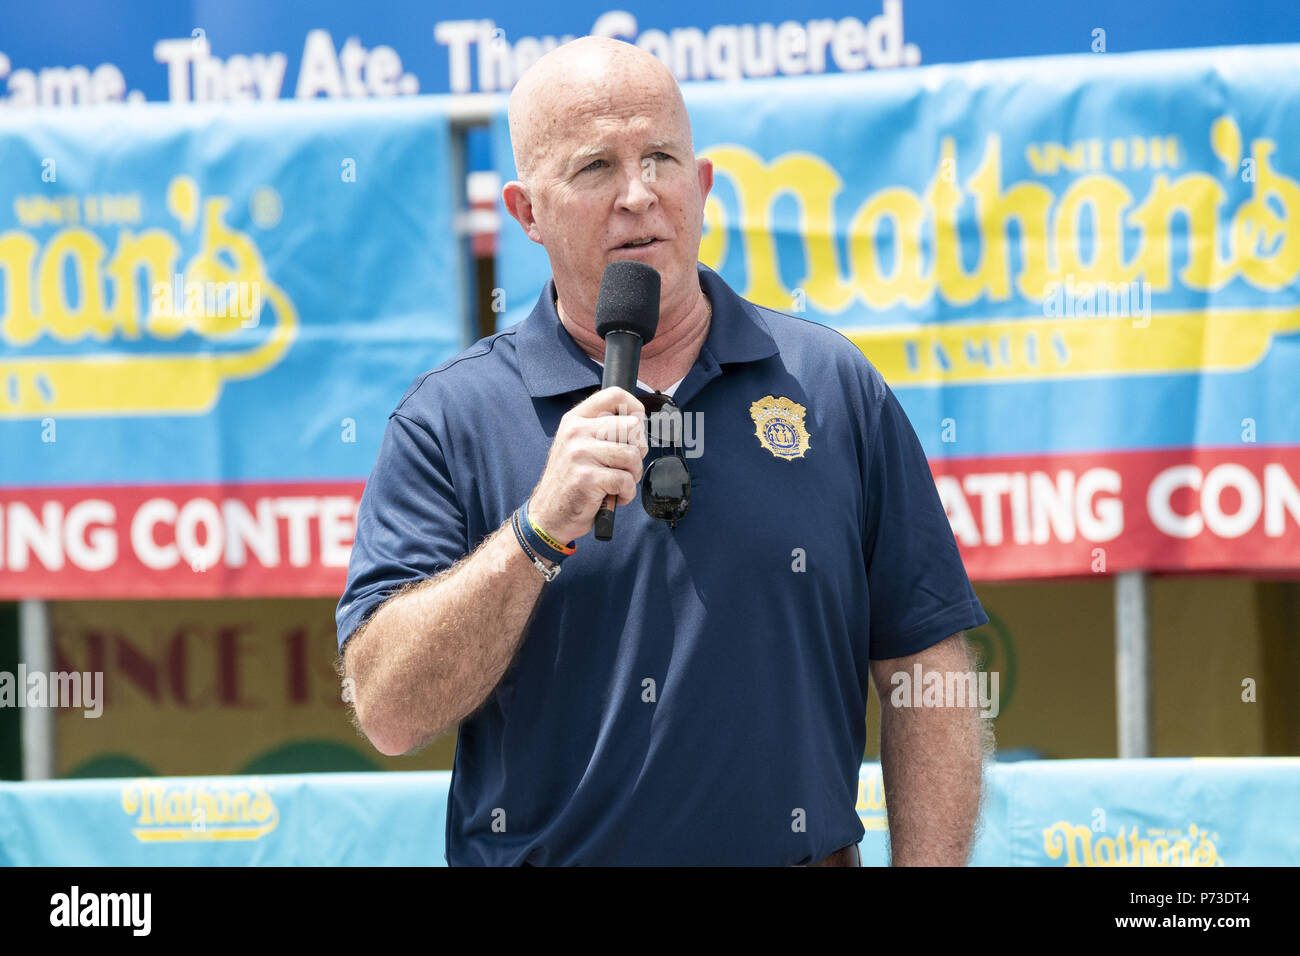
x: 694, y: 690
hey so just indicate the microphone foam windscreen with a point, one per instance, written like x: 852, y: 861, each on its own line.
x: 628, y: 300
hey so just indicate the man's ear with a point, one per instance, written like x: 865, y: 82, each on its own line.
x: 704, y: 170
x: 515, y: 196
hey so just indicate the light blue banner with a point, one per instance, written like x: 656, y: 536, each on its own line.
x: 219, y: 294
x: 1173, y: 812
x: 1063, y: 243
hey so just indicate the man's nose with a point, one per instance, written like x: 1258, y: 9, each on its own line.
x: 637, y: 195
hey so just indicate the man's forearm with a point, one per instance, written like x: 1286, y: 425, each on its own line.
x: 931, y: 759
x: 430, y: 656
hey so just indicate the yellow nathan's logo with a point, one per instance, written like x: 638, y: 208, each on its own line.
x: 779, y: 424
x: 130, y: 306
x: 1077, y: 845
x: 200, y: 812
x: 1049, y: 248
x: 871, y: 802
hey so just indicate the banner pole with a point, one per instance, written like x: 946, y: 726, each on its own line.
x: 1132, y: 665
x: 460, y: 217
x: 466, y: 112
x: 36, y: 653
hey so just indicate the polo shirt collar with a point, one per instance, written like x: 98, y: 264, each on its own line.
x: 551, y: 363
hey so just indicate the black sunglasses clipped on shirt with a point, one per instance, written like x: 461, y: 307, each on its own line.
x: 666, y: 483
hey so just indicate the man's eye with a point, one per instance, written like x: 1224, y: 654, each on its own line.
x: 592, y: 165
x: 661, y: 156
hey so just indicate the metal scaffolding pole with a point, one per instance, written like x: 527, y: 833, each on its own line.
x: 466, y: 112
x: 36, y: 653
x: 1132, y: 665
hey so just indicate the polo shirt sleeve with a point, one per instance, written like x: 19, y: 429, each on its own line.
x: 919, y: 591
x: 410, y: 525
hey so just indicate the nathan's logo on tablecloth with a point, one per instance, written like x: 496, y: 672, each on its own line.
x: 1064, y: 251
x: 170, y: 813
x: 87, y: 331
x: 1076, y: 844
x: 871, y: 802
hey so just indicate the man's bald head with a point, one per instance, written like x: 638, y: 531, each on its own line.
x: 583, y: 76
x: 606, y: 172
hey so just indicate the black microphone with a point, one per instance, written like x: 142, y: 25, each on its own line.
x: 627, y: 314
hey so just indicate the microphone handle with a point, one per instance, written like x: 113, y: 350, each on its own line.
x: 622, y: 360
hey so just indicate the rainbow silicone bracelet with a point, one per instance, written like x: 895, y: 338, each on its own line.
x: 542, y: 542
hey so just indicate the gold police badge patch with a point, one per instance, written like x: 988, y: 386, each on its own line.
x: 778, y: 422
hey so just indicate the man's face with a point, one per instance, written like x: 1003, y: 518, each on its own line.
x: 615, y: 170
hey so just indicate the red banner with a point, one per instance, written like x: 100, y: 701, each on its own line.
x: 1223, y: 509
x: 179, y: 541
x: 1188, y: 509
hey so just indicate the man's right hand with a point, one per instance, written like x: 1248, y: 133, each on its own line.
x: 598, y: 450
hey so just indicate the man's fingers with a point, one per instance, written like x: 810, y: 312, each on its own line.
x: 610, y: 401
x: 624, y: 486
x: 627, y: 458
x: 612, y: 481
x: 623, y: 429
x: 599, y: 449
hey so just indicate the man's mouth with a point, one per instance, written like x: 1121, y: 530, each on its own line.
x: 639, y: 243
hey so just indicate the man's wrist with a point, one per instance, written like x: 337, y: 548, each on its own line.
x: 536, y: 533
x: 549, y: 570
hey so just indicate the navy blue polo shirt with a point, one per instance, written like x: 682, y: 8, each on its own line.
x: 687, y: 696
